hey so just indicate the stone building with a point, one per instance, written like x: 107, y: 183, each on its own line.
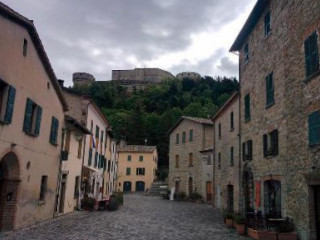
x: 82, y: 79
x: 227, y: 159
x: 190, y: 139
x: 279, y: 112
x: 190, y: 75
x: 32, y: 110
x: 137, y: 166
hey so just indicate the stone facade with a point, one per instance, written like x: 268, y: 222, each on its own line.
x: 189, y: 139
x: 190, y: 75
x: 30, y: 97
x: 137, y: 166
x: 293, y: 169
x: 82, y: 79
x: 227, y: 158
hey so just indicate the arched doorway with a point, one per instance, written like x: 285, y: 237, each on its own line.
x: 9, y: 186
x: 127, y: 186
x: 139, y: 186
x: 190, y: 186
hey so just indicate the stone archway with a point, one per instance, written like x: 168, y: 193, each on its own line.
x: 9, y: 187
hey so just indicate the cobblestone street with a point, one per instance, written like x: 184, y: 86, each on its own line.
x: 139, y: 218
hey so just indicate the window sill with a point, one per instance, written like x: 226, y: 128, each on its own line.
x: 270, y: 156
x: 247, y: 120
x: 270, y: 105
x: 54, y: 144
x: 312, y: 76
x: 41, y: 203
x: 31, y: 134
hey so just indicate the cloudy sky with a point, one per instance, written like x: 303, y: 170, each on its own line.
x: 100, y: 35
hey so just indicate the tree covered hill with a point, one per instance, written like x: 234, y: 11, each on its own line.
x: 145, y: 116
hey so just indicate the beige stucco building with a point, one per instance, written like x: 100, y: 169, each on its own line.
x: 190, y: 170
x: 110, y: 174
x: 31, y: 118
x: 227, y: 159
x: 137, y: 166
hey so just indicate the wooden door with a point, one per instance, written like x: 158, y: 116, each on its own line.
x: 190, y: 185
x: 230, y: 201
x: 127, y: 186
x: 209, y: 191
x: 140, y: 186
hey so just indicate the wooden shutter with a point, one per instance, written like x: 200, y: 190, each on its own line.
x: 275, y: 144
x: 96, y: 159
x: 28, y: 116
x: 265, y: 145
x: 243, y: 151
x: 269, y: 89
x: 90, y: 157
x: 247, y: 114
x: 38, y: 121
x: 249, y: 143
x: 314, y: 128
x: 311, y: 54
x: 10, y: 105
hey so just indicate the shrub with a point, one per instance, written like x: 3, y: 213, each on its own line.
x: 195, y: 196
x: 119, y: 197
x: 113, y: 203
x: 286, y: 226
x: 239, y: 218
x: 181, y: 196
x: 226, y: 214
x: 87, y: 203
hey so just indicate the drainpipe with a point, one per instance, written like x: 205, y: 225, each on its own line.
x: 240, y: 146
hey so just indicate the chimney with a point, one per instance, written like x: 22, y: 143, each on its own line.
x: 61, y: 82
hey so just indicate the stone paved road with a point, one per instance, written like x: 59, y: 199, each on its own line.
x: 140, y: 218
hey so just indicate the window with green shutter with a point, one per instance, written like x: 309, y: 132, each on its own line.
x: 183, y: 137
x: 269, y: 90
x: 128, y: 171
x: 97, y: 131
x: 90, y: 157
x: 141, y: 158
x: 247, y: 112
x: 231, y: 157
x: 190, y: 135
x: 311, y: 54
x: 271, y: 144
x: 7, y: 98
x: 219, y: 160
x: 129, y: 158
x: 54, y: 131
x: 267, y: 24
x: 96, y: 159
x: 314, y: 128
x: 32, y: 118
x: 177, y: 138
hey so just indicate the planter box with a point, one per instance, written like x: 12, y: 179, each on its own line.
x: 262, y: 234
x: 288, y: 236
x: 229, y: 222
x: 241, y: 229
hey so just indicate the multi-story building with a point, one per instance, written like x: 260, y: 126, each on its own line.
x: 32, y: 110
x: 279, y: 112
x: 190, y: 138
x: 227, y: 159
x: 137, y: 166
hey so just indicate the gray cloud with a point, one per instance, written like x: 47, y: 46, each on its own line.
x: 101, y: 35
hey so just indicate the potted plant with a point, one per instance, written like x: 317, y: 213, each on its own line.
x: 228, y: 216
x: 240, y: 221
x: 286, y: 231
x: 87, y: 203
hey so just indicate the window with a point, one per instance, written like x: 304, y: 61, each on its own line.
x: 177, y: 161
x: 140, y: 158
x: 96, y: 159
x: 247, y: 113
x: 247, y: 150
x: 97, y: 132
x: 190, y: 135
x: 32, y: 118
x: 54, y: 131
x: 267, y: 24
x: 90, y: 157
x: 311, y: 54
x: 106, y: 141
x: 231, y: 157
x: 269, y: 89
x: 128, y: 171
x: 219, y: 130
x: 219, y: 160
x: 246, y: 53
x: 184, y: 137
x: 190, y: 159
x: 314, y: 128
x: 43, y: 188
x: 140, y: 171
x: 129, y: 158
x: 76, y: 187
x: 101, y: 138
x: 270, y: 144
x: 91, y: 126
x: 272, y: 198
x: 7, y: 98
x: 177, y: 138
x: 209, y: 159
x: 80, y: 148
x: 25, y: 47
x: 231, y: 121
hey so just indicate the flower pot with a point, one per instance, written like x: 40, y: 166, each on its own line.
x: 229, y: 222
x: 266, y: 235
x: 288, y: 236
x: 252, y: 233
x: 241, y: 229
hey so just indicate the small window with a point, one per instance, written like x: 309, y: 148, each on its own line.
x: 129, y: 158
x: 219, y: 130
x: 101, y: 137
x: 76, y: 187
x: 91, y: 127
x: 25, y: 47
x: 190, y: 135
x: 90, y: 157
x: 314, y: 128
x: 246, y: 53
x: 311, y: 54
x: 219, y: 160
x: 247, y: 112
x: 247, y: 150
x: 267, y: 24
x: 270, y: 144
x: 190, y: 159
x: 80, y: 148
x: 32, y: 118
x: 43, y: 188
x: 97, y: 132
x: 128, y: 171
x: 96, y: 156
x: 209, y: 162
x: 177, y: 138
x: 140, y: 158
x: 231, y: 121
x: 269, y: 90
x: 183, y: 137
x: 177, y: 161
x: 7, y: 99
x: 54, y: 131
x: 140, y: 171
x: 231, y: 157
